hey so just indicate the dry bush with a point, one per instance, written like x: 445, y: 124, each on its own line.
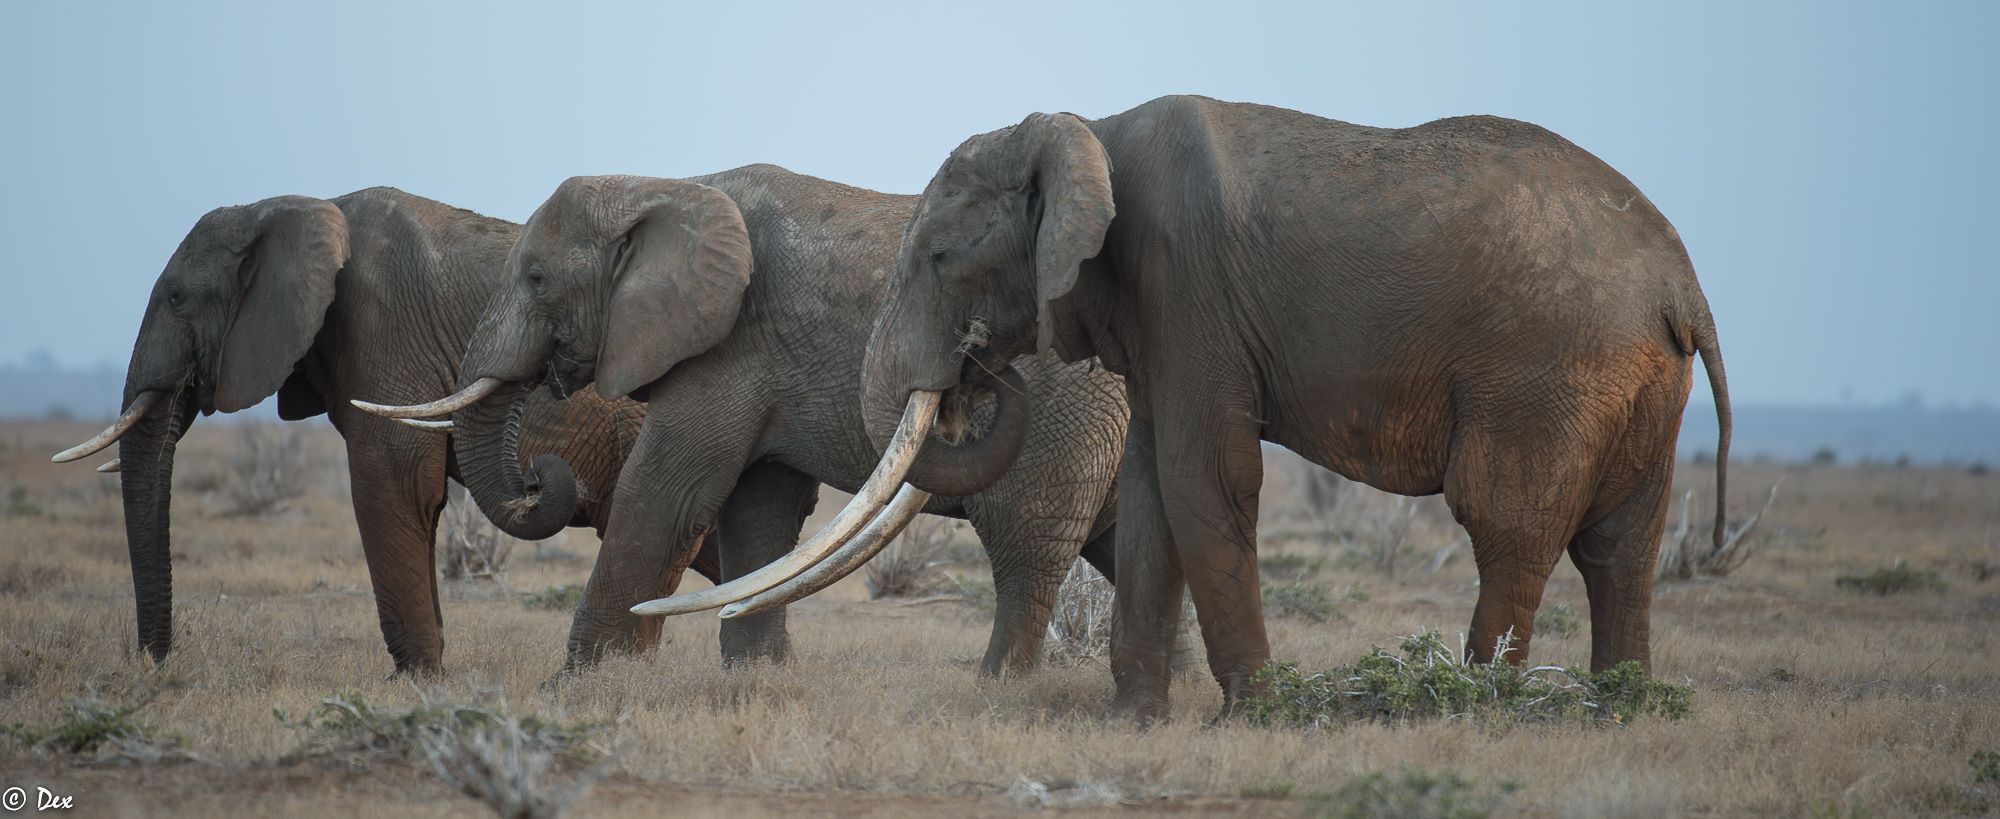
x: 1079, y: 631
x: 269, y: 468
x: 910, y: 566
x: 1080, y: 627
x: 512, y: 764
x: 470, y: 546
x: 1373, y: 529
x: 1682, y: 556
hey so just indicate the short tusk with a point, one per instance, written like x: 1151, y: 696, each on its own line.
x: 126, y: 421
x: 853, y: 555
x: 444, y: 406
x: 428, y: 426
x: 888, y: 476
x: 110, y: 466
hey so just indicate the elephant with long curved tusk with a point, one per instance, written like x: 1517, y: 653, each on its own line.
x: 738, y: 305
x: 1474, y: 307
x: 319, y: 302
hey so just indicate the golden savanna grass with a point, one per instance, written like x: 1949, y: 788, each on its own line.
x: 1808, y: 698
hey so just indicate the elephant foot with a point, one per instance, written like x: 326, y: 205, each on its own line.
x: 1139, y: 711
x: 426, y: 672
x: 761, y: 640
x: 774, y: 652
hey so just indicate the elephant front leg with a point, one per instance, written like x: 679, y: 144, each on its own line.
x: 1210, y: 473
x: 760, y: 523
x: 667, y: 501
x: 397, y: 501
x: 1146, y: 610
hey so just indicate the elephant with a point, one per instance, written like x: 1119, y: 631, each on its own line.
x: 1473, y: 306
x: 738, y: 306
x: 319, y: 301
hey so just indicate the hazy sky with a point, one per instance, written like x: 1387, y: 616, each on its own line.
x: 1831, y: 167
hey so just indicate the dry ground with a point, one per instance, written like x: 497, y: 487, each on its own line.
x: 1808, y: 699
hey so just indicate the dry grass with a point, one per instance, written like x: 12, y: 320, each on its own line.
x: 1806, y: 697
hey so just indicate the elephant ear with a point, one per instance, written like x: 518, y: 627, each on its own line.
x: 284, y: 284
x: 677, y: 283
x: 1072, y: 176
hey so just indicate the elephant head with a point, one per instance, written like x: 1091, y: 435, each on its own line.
x: 1001, y: 232
x: 614, y: 280
x: 237, y: 306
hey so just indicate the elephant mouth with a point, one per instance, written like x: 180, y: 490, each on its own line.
x: 567, y: 372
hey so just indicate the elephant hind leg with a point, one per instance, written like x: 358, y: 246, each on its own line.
x: 1521, y: 504
x: 399, y: 493
x: 760, y: 522
x: 1617, y: 556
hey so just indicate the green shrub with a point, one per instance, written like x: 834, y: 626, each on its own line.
x: 1557, y: 620
x: 1985, y: 767
x: 1275, y: 791
x: 1306, y: 601
x: 1290, y: 564
x: 1430, y: 680
x: 1895, y: 579
x: 86, y: 726
x: 19, y: 506
x: 563, y: 597
x: 1412, y: 794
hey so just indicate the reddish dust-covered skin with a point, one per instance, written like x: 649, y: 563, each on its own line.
x: 1473, y: 306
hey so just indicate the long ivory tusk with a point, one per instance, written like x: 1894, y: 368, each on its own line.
x: 853, y: 555
x: 443, y: 406
x: 110, y: 466
x: 887, y: 477
x: 429, y: 426
x: 126, y: 421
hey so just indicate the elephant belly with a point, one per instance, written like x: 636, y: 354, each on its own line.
x: 1389, y: 433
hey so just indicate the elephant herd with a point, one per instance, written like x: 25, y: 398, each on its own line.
x: 1077, y: 338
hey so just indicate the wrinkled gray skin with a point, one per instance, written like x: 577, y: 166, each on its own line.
x: 371, y: 295
x: 1473, y: 306
x: 646, y: 287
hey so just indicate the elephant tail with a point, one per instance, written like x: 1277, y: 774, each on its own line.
x: 1697, y: 334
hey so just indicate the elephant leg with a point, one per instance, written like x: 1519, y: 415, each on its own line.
x: 668, y: 497
x: 398, y: 494
x: 1617, y: 556
x: 1146, y: 609
x: 1098, y: 552
x: 1031, y: 535
x: 760, y: 523
x: 1520, y: 504
x: 1209, y: 482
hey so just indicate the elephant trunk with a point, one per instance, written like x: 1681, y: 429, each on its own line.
x: 146, y: 458
x: 961, y: 458
x: 531, y: 504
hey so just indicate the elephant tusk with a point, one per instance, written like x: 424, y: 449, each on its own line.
x: 428, y: 426
x: 853, y: 555
x: 126, y: 421
x: 110, y: 466
x: 472, y: 394
x: 873, y: 495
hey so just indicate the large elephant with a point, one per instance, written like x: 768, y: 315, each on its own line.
x: 321, y: 301
x: 1473, y: 306
x: 739, y: 306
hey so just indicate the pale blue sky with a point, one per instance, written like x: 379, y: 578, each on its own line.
x: 1830, y: 166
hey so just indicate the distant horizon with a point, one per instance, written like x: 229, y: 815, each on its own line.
x: 1827, y: 166
x: 41, y: 360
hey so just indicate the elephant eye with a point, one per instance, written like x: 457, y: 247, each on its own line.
x: 173, y: 297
